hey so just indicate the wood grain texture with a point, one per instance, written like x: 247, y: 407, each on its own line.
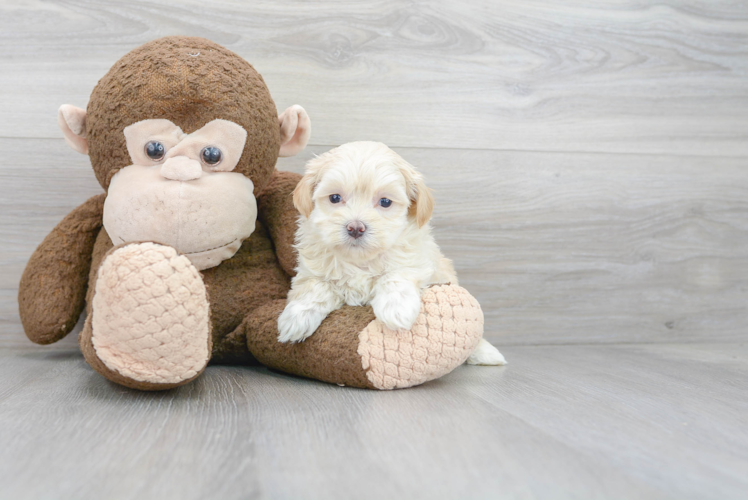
x: 559, y: 422
x: 628, y: 76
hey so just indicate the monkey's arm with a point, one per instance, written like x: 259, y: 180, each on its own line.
x: 275, y: 205
x: 52, y: 291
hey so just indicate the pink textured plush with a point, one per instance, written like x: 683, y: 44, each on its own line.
x: 446, y: 332
x: 151, y: 315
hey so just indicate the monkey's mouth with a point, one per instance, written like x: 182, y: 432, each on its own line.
x: 219, y: 247
x: 196, y: 252
x: 212, y: 257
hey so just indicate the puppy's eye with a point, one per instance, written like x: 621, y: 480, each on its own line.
x: 155, y: 150
x: 335, y: 198
x: 211, y: 155
x: 385, y: 202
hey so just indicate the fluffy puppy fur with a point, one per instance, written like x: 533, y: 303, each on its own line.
x: 364, y: 238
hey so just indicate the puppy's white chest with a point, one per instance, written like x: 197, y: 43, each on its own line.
x: 358, y: 289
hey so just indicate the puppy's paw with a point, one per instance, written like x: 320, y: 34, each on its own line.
x: 298, y: 321
x: 486, y: 355
x: 398, y: 308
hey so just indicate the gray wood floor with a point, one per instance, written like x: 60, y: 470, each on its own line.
x: 586, y: 421
x: 590, y: 162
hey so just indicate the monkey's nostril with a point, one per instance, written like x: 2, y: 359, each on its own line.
x: 356, y: 229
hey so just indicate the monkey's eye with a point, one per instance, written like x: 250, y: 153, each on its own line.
x: 211, y: 155
x: 155, y: 150
x: 335, y: 198
x: 385, y: 202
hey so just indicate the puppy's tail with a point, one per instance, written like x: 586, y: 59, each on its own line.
x: 485, y: 354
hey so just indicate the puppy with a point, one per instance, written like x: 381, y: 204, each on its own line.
x: 364, y: 238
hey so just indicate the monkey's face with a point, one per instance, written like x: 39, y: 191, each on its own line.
x: 181, y: 190
x: 183, y: 134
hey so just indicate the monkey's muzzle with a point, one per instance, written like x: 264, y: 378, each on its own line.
x: 206, y: 217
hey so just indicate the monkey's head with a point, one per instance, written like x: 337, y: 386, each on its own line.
x: 183, y: 135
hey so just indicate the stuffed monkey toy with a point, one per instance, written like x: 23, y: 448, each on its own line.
x: 186, y: 257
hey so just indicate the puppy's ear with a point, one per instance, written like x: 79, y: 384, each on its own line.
x: 302, y: 195
x: 423, y: 204
x: 421, y: 199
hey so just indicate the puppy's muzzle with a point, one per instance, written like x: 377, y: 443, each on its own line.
x: 356, y: 229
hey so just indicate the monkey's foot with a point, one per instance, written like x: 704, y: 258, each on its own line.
x: 351, y: 347
x: 150, y: 322
x: 447, y: 330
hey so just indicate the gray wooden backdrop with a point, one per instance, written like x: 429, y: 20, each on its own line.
x: 590, y: 163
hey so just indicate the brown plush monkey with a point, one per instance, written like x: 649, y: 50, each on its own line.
x: 186, y: 257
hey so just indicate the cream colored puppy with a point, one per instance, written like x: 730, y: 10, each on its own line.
x: 364, y: 238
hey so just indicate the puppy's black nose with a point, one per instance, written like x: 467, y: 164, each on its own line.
x: 356, y: 229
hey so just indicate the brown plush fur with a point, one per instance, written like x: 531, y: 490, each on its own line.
x: 167, y: 79
x: 190, y: 82
x: 329, y: 355
x: 53, y: 285
x: 278, y: 213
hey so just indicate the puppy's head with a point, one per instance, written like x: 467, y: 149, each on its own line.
x: 360, y: 197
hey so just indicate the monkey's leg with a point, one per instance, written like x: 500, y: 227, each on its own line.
x: 149, y: 326
x: 352, y: 348
x: 52, y: 291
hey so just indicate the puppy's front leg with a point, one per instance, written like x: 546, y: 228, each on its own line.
x: 397, y: 303
x: 308, y: 304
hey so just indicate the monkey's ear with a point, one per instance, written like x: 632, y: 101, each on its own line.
x: 295, y: 129
x: 72, y: 122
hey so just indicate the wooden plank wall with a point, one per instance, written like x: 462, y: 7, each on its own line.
x: 590, y: 160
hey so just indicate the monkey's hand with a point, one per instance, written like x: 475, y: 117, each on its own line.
x: 52, y: 292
